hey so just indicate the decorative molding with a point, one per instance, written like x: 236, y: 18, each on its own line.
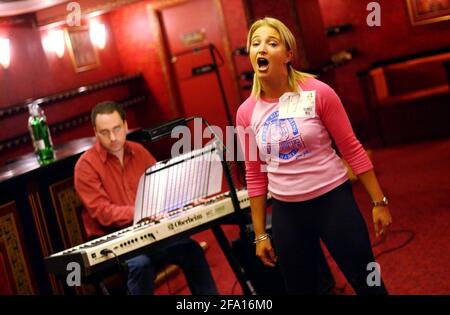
x: 39, y: 222
x: 67, y: 206
x: 426, y: 12
x: 10, y: 238
x: 43, y: 235
x: 66, y: 95
x: 82, y: 51
x: 163, y: 59
x: 101, y: 8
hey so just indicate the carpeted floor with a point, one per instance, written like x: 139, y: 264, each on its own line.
x: 416, y: 178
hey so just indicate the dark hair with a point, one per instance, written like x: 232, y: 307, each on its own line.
x: 107, y: 107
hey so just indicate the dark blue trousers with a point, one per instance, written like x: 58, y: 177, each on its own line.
x: 184, y: 253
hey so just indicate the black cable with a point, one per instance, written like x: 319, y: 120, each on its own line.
x: 375, y: 244
x: 218, y: 55
x: 124, y: 272
x: 410, y: 238
x: 380, y: 241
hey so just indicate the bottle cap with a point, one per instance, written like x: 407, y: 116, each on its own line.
x: 33, y: 108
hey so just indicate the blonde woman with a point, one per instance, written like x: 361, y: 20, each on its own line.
x: 293, y: 118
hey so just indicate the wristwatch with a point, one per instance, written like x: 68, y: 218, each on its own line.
x: 382, y: 203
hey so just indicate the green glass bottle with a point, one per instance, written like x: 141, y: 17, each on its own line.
x: 40, y: 134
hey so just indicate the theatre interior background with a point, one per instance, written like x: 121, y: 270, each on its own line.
x: 165, y: 60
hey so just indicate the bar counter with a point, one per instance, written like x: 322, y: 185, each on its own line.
x: 39, y: 215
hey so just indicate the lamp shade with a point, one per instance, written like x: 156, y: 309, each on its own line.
x: 54, y: 42
x: 97, y: 33
x: 5, y: 52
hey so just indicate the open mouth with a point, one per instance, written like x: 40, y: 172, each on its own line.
x: 263, y: 63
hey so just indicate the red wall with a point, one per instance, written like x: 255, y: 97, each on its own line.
x: 138, y: 52
x: 235, y: 20
x: 395, y: 37
x: 35, y: 73
x: 132, y: 47
x: 137, y: 45
x: 312, y: 39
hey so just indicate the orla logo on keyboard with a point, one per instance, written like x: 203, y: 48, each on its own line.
x: 181, y: 223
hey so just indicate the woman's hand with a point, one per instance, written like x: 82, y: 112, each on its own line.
x: 382, y: 219
x: 265, y: 252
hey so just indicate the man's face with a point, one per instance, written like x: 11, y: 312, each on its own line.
x: 111, y: 131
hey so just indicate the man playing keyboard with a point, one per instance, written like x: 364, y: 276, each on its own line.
x: 106, y: 180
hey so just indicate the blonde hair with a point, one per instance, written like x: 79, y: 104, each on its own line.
x: 288, y: 40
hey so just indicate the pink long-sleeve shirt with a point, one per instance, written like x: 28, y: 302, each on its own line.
x: 294, y: 158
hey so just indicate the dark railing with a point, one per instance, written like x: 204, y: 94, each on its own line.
x: 64, y: 96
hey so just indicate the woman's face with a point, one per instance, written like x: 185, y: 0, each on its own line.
x: 268, y: 54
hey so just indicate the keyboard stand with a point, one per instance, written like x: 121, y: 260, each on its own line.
x: 164, y: 131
